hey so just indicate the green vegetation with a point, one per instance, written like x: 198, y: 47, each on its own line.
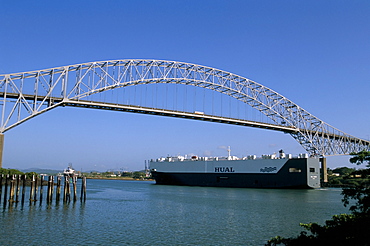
x: 17, y: 172
x: 10, y: 171
x: 117, y: 175
x: 343, y: 229
x: 138, y: 175
x: 344, y: 176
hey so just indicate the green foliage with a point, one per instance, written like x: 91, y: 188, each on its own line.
x: 344, y: 171
x: 138, y: 175
x: 10, y: 171
x: 335, y: 181
x: 29, y: 175
x: 347, y: 177
x: 126, y: 174
x: 360, y: 157
x: 343, y: 229
x: 360, y: 193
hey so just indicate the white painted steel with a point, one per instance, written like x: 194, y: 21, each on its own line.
x: 28, y: 94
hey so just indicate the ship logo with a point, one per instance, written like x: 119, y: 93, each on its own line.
x: 267, y: 169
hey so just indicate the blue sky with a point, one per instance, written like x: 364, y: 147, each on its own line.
x: 316, y: 53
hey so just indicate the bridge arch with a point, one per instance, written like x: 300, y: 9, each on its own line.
x: 28, y: 94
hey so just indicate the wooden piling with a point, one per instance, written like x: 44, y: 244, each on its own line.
x: 83, y: 190
x: 32, y: 189
x: 18, y: 181
x: 48, y: 197
x: 12, y: 189
x: 82, y: 187
x: 68, y: 190
x: 24, y: 177
x: 66, y: 197
x: 48, y: 191
x: 36, y: 189
x: 1, y: 185
x: 57, y: 196
x: 65, y: 189
x: 6, y: 189
x: 74, y: 179
x: 41, y: 188
x: 51, y: 188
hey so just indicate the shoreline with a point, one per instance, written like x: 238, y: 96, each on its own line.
x: 121, y: 178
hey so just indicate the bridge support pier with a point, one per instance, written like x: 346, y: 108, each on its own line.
x: 324, y: 170
x: 1, y: 149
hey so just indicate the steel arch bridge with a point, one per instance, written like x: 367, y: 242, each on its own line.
x: 28, y: 94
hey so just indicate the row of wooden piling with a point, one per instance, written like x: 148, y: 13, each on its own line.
x: 13, y: 189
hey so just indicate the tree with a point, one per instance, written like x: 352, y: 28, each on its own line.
x: 360, y: 157
x: 10, y: 171
x: 343, y: 170
x: 138, y: 175
x: 361, y: 192
x: 30, y: 174
x: 343, y: 229
x: 127, y: 174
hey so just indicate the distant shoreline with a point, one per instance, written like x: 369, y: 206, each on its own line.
x: 119, y: 178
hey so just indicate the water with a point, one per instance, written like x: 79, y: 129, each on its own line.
x: 120, y: 212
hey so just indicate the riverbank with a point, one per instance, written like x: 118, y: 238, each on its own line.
x: 119, y: 178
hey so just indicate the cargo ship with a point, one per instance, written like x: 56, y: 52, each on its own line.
x: 269, y: 171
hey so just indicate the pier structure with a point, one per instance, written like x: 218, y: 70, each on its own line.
x: 14, y: 189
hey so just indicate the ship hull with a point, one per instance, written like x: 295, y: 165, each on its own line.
x: 230, y: 180
x: 306, y: 177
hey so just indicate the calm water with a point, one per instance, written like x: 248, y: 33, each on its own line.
x: 140, y: 213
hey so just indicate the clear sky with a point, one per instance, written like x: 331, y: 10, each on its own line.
x: 316, y: 53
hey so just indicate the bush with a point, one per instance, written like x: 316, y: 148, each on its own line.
x: 10, y: 171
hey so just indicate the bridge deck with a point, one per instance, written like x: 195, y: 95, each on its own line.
x: 177, y: 114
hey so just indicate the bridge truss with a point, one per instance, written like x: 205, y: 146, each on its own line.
x: 28, y: 94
